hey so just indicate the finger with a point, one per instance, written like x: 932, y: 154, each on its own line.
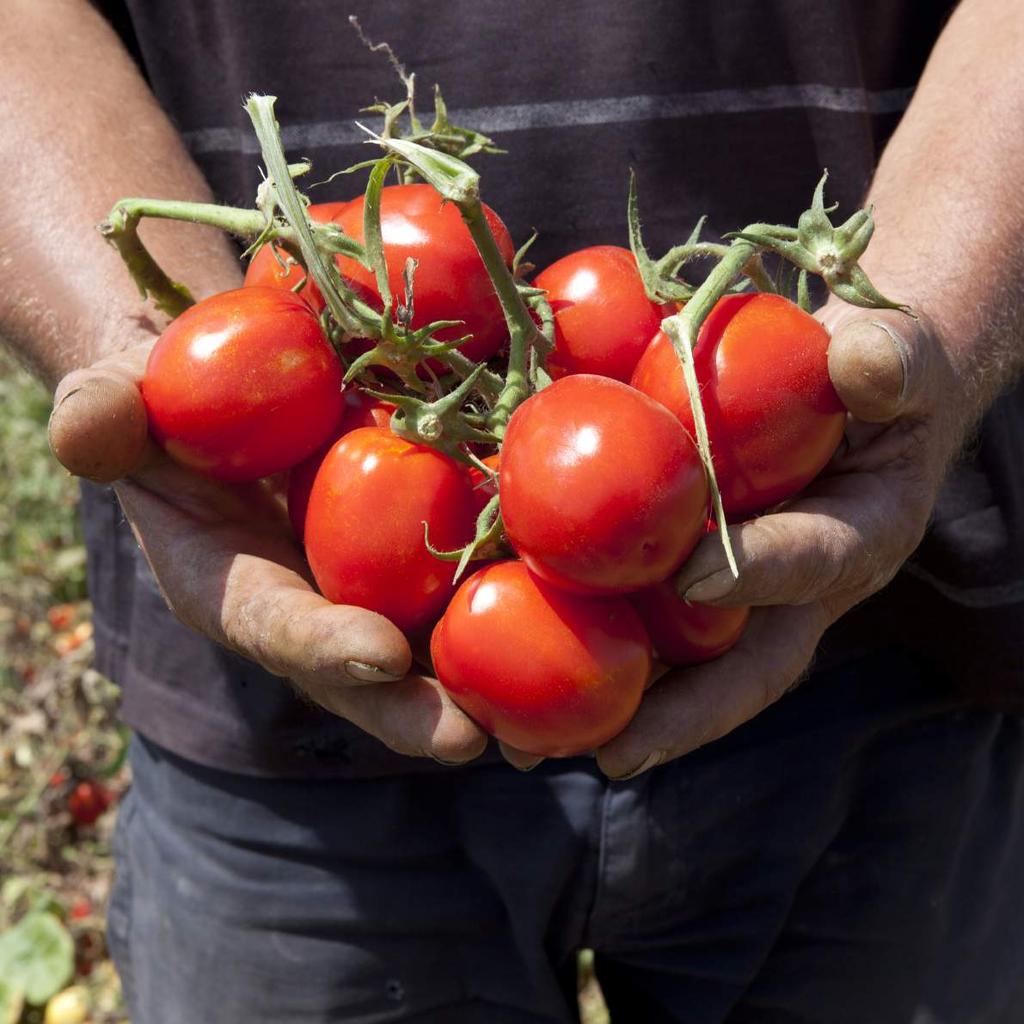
x: 692, y: 707
x: 413, y: 716
x: 884, y: 364
x: 249, y: 591
x: 519, y: 758
x: 844, y: 536
x: 98, y: 427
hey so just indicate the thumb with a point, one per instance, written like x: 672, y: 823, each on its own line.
x: 869, y: 364
x: 98, y: 427
x: 885, y: 364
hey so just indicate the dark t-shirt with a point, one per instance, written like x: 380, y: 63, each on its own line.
x: 726, y: 109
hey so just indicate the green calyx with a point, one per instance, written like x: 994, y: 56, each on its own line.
x: 441, y: 423
x: 818, y: 247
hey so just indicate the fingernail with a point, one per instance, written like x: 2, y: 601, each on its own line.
x: 712, y: 587
x: 654, y: 758
x: 63, y: 398
x: 527, y: 767
x: 447, y: 764
x: 902, y: 352
x: 366, y: 673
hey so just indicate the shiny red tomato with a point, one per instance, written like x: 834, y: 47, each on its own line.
x: 243, y: 384
x: 265, y: 268
x: 773, y: 417
x: 603, y: 318
x: 451, y: 282
x: 361, y: 410
x: 88, y: 800
x: 602, y: 491
x: 546, y: 671
x: 683, y: 632
x: 364, y: 525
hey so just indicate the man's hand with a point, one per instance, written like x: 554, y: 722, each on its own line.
x: 227, y: 565
x: 807, y: 564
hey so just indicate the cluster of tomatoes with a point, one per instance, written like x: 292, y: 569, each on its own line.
x: 602, y: 492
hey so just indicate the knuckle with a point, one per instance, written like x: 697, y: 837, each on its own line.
x: 257, y: 628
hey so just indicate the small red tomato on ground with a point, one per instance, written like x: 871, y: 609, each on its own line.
x: 684, y: 632
x: 364, y: 525
x: 602, y: 491
x: 274, y: 267
x: 603, y: 318
x: 361, y: 410
x: 451, y: 282
x: 773, y: 418
x: 80, y: 909
x: 60, y: 616
x: 548, y: 672
x: 88, y: 800
x: 243, y: 384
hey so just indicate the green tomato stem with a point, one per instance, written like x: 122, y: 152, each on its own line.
x: 683, y: 329
x: 522, y: 330
x: 121, y: 229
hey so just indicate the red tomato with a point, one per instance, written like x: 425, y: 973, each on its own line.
x: 88, y: 800
x: 603, y: 318
x: 602, y: 491
x: 546, y: 671
x: 364, y: 525
x: 243, y: 384
x: 451, y: 281
x: 80, y: 909
x: 484, y: 487
x: 773, y: 417
x: 60, y: 616
x: 361, y: 410
x: 683, y: 632
x: 265, y: 268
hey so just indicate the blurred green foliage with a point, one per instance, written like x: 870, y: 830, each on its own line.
x: 41, y: 550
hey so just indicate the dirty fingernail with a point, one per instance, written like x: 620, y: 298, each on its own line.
x: 712, y: 587
x: 366, y: 673
x: 654, y: 758
x: 447, y: 764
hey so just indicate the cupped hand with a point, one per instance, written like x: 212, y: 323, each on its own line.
x: 840, y: 541
x: 226, y: 563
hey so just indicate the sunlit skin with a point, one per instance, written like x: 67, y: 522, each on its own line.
x: 589, y: 660
x: 603, y: 318
x: 602, y: 491
x: 451, y: 282
x: 242, y: 385
x: 773, y: 417
x: 364, y: 525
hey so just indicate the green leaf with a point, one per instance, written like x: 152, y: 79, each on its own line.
x: 372, y: 233
x: 293, y: 206
x: 814, y: 229
x: 13, y: 889
x: 451, y: 177
x: 682, y: 332
x: 37, y: 956
x: 12, y: 1000
x: 644, y: 264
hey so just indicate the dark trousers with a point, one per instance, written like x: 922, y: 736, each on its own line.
x: 854, y: 856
